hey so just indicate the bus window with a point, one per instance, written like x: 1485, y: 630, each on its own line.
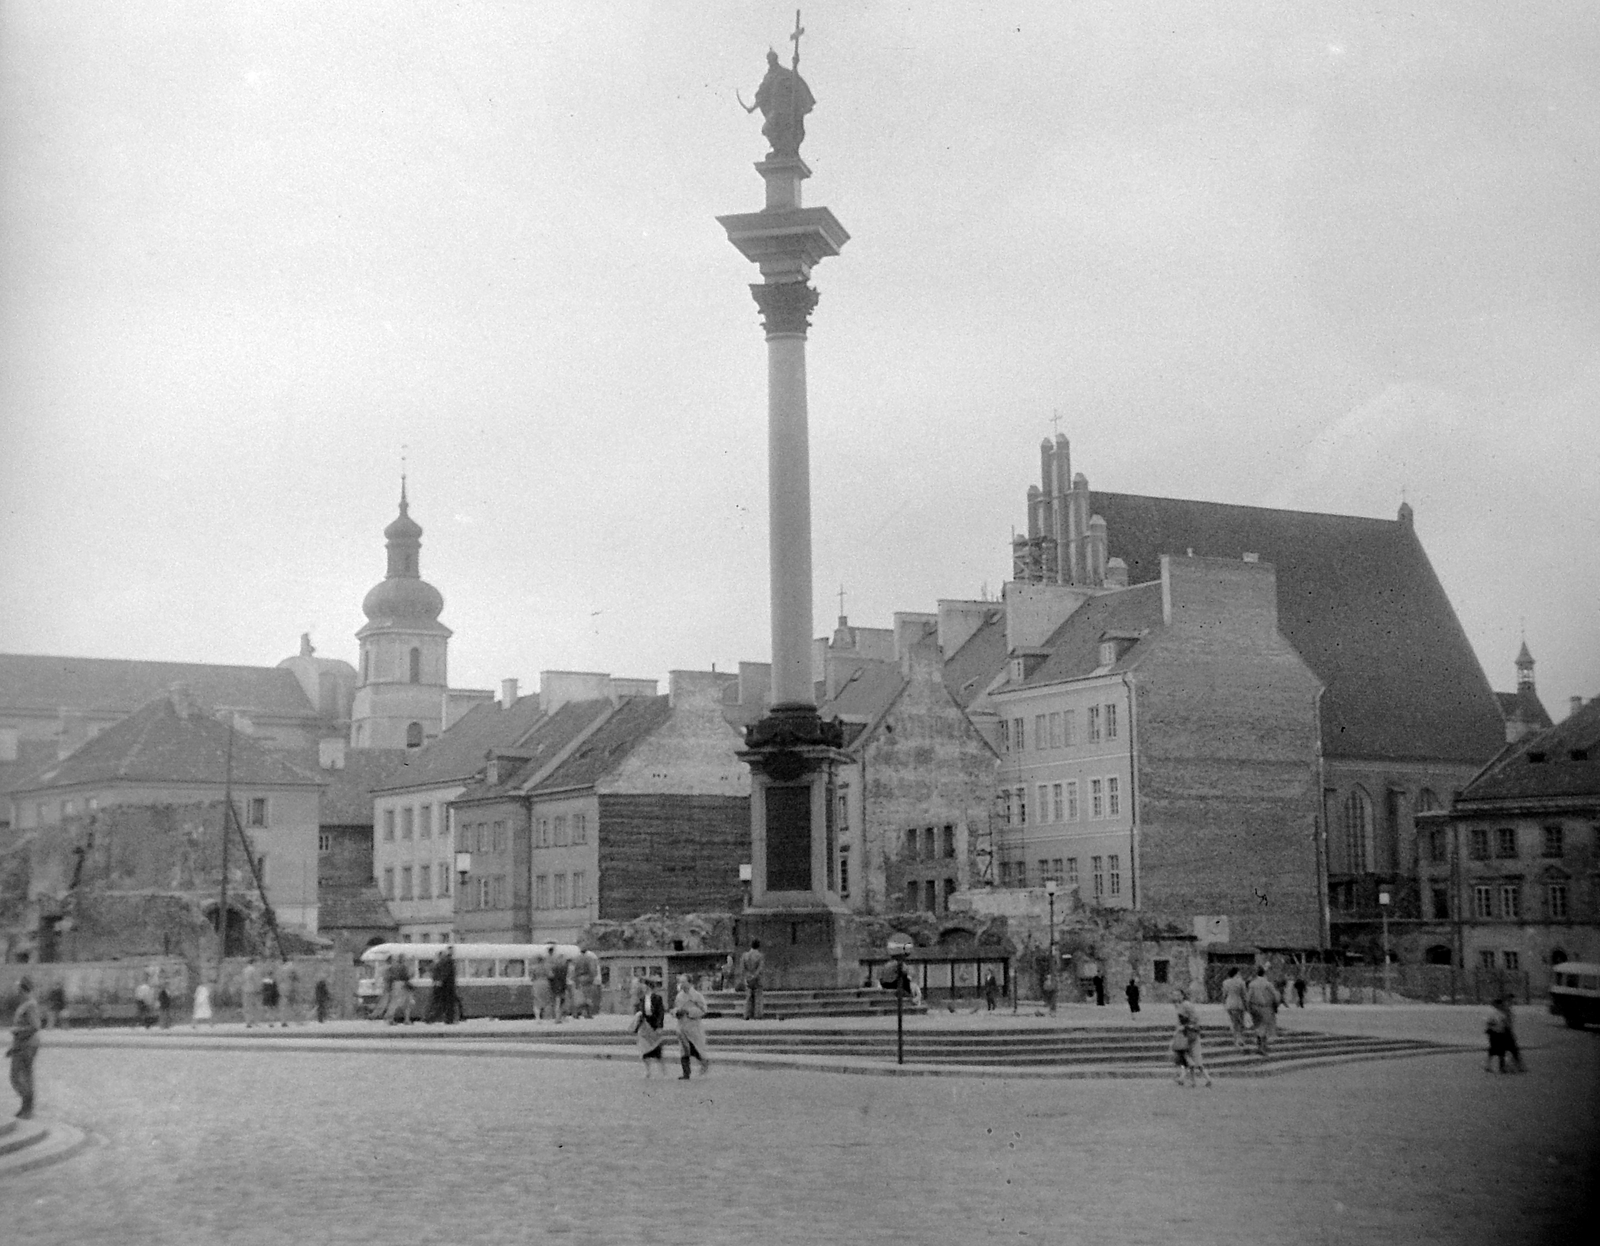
x: 1589, y: 982
x: 425, y: 969
x: 513, y: 969
x: 480, y: 969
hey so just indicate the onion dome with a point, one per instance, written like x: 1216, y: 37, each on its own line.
x: 403, y: 595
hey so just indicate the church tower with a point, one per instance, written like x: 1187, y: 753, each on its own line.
x: 400, y: 694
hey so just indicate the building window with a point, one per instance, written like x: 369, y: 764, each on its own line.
x: 1482, y: 902
x: 913, y: 894
x: 1057, y: 807
x: 541, y: 892
x: 388, y: 883
x: 949, y: 890
x: 416, y: 666
x: 1111, y: 722
x: 948, y: 835
x: 543, y: 839
x: 1161, y: 971
x: 579, y: 896
x: 424, y: 883
x: 1510, y: 900
x: 1438, y: 846
x: 1505, y: 842
x: 388, y: 826
x: 1358, y: 831
x: 844, y: 871
x: 408, y: 817
x: 413, y: 735
x: 1480, y: 844
x: 1510, y: 960
x: 1022, y: 806
x: 1044, y: 802
x: 365, y: 663
x: 324, y: 841
x: 444, y: 879
x: 1114, y: 873
x: 1486, y: 959
x: 1072, y: 801
x: 499, y: 836
x: 485, y: 892
x: 930, y: 891
x: 261, y: 868
x: 483, y: 837
x: 1055, y: 730
x: 930, y: 849
x: 1019, y: 737
x: 405, y: 882
x: 1093, y: 733
x: 558, y: 891
x: 1005, y: 736
x: 561, y: 830
x: 1441, y: 904
x: 1553, y: 845
x: 1095, y: 866
x: 911, y: 842
x: 1072, y: 874
x: 1556, y: 900
x: 257, y: 815
x: 1044, y: 870
x: 1041, y: 732
x: 425, y: 822
x: 1069, y: 728
x: 580, y: 828
x: 1113, y: 797
x: 1055, y: 869
x: 1097, y: 799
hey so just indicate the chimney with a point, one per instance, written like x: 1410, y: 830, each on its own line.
x: 508, y: 693
x: 1577, y: 704
x: 1116, y: 573
x: 330, y: 753
x: 1097, y: 551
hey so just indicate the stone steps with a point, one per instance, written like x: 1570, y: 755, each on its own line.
x: 820, y: 1002
x: 30, y: 1144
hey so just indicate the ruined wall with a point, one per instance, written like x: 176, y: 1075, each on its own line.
x: 665, y: 852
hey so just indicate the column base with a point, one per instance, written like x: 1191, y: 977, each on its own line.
x: 805, y: 949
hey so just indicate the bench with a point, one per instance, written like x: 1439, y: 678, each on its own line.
x: 100, y: 1014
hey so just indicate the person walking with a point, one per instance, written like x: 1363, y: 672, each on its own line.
x: 1132, y: 992
x: 991, y: 992
x: 1100, y: 990
x: 586, y: 984
x: 321, y: 997
x: 690, y: 1009
x: 750, y: 966
x: 164, y: 1004
x: 1186, y: 1046
x: 1500, y: 1026
x: 144, y: 1000
x: 446, y: 1003
x: 288, y: 981
x: 25, y: 1025
x: 202, y: 1004
x: 250, y: 992
x: 1300, y: 992
x: 558, y: 984
x: 55, y: 1003
x: 1263, y: 1000
x: 1047, y: 988
x: 1233, y: 1004
x: 397, y: 977
x: 649, y: 1022
x: 539, y: 971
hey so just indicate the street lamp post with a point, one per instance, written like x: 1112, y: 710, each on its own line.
x: 899, y: 948
x: 1050, y: 893
x: 1383, y: 908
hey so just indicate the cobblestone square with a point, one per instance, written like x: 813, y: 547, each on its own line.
x: 234, y: 1143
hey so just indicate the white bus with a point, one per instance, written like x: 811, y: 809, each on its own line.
x: 1575, y: 992
x: 492, y: 979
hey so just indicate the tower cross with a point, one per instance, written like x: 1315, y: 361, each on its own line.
x: 841, y: 601
x: 1055, y: 419
x: 798, y: 31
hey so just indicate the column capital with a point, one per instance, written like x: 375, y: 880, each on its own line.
x: 786, y: 306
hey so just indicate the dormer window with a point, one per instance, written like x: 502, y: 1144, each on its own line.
x: 1018, y: 670
x: 1108, y: 652
x: 1535, y: 758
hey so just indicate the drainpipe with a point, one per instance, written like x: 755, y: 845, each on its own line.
x: 1320, y: 835
x: 1133, y: 801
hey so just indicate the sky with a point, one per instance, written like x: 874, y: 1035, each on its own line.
x: 1310, y: 256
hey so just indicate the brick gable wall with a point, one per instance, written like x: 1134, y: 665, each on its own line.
x: 679, y: 852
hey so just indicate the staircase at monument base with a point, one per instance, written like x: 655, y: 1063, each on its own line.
x: 34, y: 1143
x: 823, y: 1002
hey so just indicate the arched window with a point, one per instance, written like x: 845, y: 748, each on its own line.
x: 414, y: 735
x: 1558, y: 956
x: 1428, y: 799
x: 366, y: 655
x: 1358, y: 831
x: 1439, y: 954
x: 416, y: 666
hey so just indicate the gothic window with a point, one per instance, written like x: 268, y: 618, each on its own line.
x: 1358, y: 831
x: 414, y: 735
x: 416, y: 666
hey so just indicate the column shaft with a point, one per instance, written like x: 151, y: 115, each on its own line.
x: 789, y: 509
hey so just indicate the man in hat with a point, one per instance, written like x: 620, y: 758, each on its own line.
x: 25, y: 1026
x: 750, y: 966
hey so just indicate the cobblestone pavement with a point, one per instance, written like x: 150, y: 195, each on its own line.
x: 240, y: 1144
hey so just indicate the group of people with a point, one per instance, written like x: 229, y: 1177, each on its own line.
x: 268, y: 995
x: 650, y: 1024
x: 1259, y: 998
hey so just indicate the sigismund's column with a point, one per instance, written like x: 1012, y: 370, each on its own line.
x: 792, y: 753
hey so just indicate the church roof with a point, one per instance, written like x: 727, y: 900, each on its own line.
x: 1360, y: 603
x: 458, y: 753
x: 1075, y: 645
x: 1523, y: 706
x: 49, y: 683
x: 970, y: 668
x: 635, y: 718
x: 172, y: 739
x: 1561, y: 761
x: 540, y: 747
x: 866, y: 692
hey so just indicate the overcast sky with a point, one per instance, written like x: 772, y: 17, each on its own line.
x: 1285, y: 255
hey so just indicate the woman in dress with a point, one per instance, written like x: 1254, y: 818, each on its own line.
x: 690, y: 1009
x: 1186, y: 1052
x: 649, y: 1026
x: 202, y: 1004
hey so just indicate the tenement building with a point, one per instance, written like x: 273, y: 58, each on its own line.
x: 1510, y: 872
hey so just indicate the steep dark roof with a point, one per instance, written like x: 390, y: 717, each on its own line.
x: 1075, y: 645
x: 347, y: 798
x: 353, y: 906
x: 458, y: 753
x: 1358, y: 600
x: 115, y: 685
x: 634, y: 719
x: 171, y: 740
x: 1561, y: 761
x: 546, y: 741
x: 970, y: 668
x: 867, y: 691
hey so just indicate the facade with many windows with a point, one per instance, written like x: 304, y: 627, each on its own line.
x: 1508, y: 877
